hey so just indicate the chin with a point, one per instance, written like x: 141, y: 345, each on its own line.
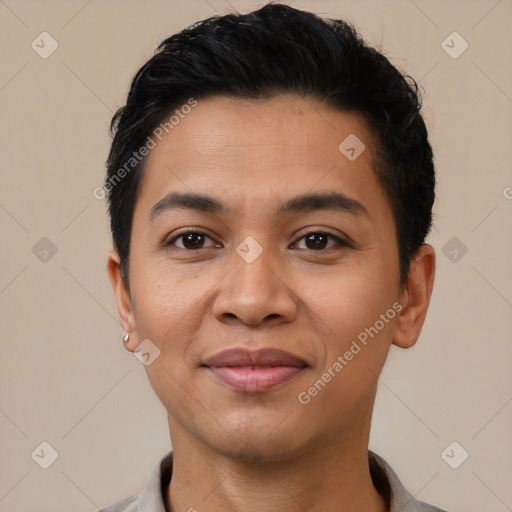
x: 259, y: 441
x: 254, y: 452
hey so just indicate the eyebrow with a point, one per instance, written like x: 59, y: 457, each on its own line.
x: 333, y: 201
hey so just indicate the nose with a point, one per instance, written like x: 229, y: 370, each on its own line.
x: 255, y: 292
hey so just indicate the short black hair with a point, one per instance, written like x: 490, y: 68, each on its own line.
x: 279, y: 49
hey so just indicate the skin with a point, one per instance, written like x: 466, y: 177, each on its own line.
x: 267, y: 451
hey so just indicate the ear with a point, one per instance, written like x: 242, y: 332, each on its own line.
x: 415, y: 297
x: 123, y: 300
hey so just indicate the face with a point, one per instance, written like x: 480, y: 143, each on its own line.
x: 292, y: 247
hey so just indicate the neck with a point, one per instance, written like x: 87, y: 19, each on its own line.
x: 329, y: 475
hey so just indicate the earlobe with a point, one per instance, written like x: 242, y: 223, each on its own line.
x: 415, y: 298
x: 123, y: 300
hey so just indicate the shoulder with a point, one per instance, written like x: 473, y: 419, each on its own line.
x: 128, y: 504
x: 389, y: 485
x: 152, y: 496
x: 419, y: 506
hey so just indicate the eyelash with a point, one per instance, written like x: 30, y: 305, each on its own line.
x: 340, y: 242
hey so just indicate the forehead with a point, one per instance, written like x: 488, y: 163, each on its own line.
x: 255, y: 152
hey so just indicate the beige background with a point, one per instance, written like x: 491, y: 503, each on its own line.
x: 64, y: 376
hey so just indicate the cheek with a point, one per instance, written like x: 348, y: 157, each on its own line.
x: 164, y: 301
x: 164, y: 306
x: 360, y: 324
x: 356, y: 318
x: 350, y: 302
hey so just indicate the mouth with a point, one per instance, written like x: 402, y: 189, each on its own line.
x: 254, y: 371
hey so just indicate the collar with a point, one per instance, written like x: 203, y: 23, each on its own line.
x: 384, y: 479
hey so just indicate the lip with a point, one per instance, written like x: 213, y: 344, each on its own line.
x: 254, y: 371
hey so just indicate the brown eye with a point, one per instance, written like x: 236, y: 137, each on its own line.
x: 318, y: 241
x: 191, y: 240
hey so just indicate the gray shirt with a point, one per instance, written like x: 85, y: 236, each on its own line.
x: 384, y: 479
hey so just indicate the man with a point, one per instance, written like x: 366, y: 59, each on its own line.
x: 270, y: 188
